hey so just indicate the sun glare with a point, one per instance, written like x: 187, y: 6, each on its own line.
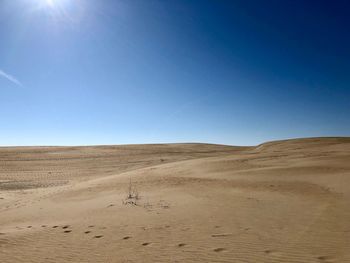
x: 60, y: 11
x: 54, y: 3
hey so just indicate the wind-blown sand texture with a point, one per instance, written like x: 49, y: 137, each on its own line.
x: 283, y: 201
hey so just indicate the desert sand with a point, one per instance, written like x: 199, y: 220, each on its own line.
x: 282, y: 201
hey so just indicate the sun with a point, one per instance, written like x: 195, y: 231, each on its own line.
x: 50, y: 2
x: 55, y: 3
x: 60, y: 10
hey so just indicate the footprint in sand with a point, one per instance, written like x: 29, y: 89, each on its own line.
x: 127, y: 237
x: 219, y: 249
x: 54, y: 226
x: 181, y: 245
x: 87, y: 232
x: 221, y: 235
x: 65, y: 227
x: 29, y: 226
x: 91, y: 226
x: 67, y: 231
x: 323, y: 258
x: 43, y: 225
x: 272, y: 252
x: 145, y: 244
x: 98, y: 236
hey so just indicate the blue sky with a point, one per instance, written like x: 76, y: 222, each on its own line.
x: 80, y: 72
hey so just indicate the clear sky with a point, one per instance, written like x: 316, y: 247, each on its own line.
x: 79, y: 72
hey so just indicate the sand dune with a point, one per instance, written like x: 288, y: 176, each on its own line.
x: 283, y: 201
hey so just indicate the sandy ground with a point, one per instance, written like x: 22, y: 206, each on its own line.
x: 285, y: 201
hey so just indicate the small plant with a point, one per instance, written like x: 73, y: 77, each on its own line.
x: 132, y: 195
x: 163, y: 204
x: 147, y: 205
